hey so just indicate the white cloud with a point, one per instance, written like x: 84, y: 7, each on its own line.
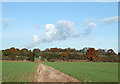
x: 64, y: 30
x: 90, y: 23
x: 110, y: 20
x: 50, y: 33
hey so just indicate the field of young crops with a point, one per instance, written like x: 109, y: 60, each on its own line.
x: 88, y: 71
x: 84, y: 71
x: 18, y: 71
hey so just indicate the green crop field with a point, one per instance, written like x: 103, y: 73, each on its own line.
x: 18, y: 71
x: 88, y: 71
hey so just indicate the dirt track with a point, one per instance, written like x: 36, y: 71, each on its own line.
x: 48, y: 74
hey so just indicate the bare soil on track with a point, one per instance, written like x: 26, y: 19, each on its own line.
x: 48, y: 74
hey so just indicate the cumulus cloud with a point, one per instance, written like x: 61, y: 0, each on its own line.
x: 63, y: 30
x: 66, y: 29
x: 50, y: 34
x: 5, y: 22
x: 110, y: 20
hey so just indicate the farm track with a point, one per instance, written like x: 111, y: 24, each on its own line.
x: 48, y: 74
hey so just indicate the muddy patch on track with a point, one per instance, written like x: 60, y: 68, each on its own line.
x: 48, y: 74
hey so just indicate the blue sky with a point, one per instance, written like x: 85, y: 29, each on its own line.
x: 60, y: 24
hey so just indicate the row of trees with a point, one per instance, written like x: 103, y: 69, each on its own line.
x: 57, y: 53
x: 16, y: 54
x: 84, y: 50
x: 91, y: 54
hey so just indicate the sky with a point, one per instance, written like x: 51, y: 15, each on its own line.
x: 60, y: 24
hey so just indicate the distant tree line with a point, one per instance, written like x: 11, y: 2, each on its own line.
x: 66, y: 54
x: 17, y: 54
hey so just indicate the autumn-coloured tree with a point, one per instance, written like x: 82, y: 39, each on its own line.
x: 13, y: 53
x: 13, y: 50
x: 53, y: 49
x: 64, y: 55
x: 91, y: 54
x: 110, y: 52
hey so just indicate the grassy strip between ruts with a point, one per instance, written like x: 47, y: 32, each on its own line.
x: 88, y: 71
